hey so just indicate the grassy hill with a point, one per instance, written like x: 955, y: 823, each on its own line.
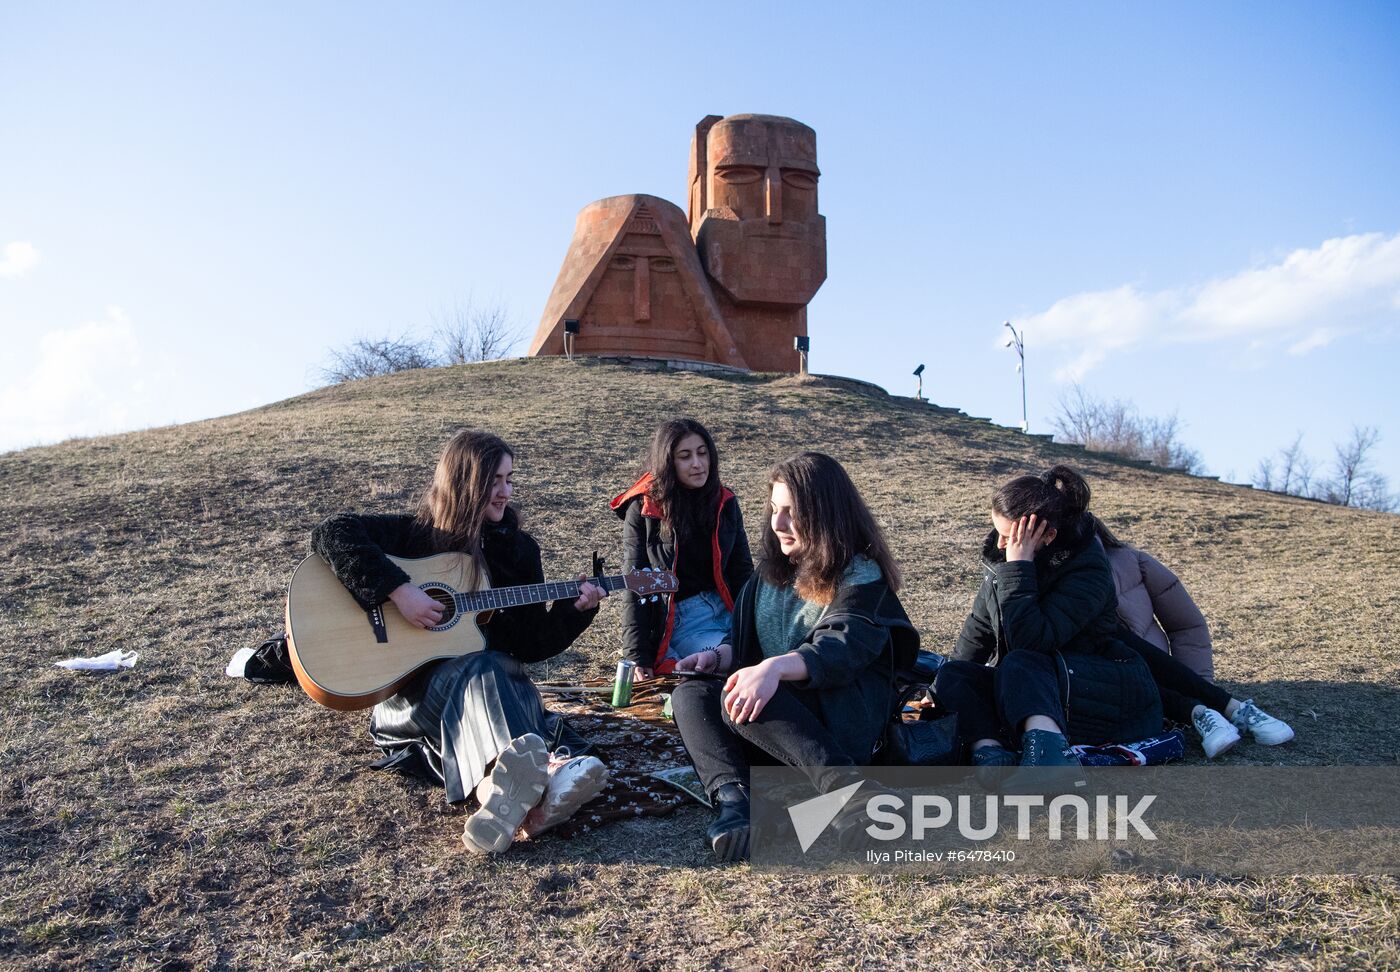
x: 171, y: 818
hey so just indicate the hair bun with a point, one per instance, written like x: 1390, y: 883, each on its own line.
x: 1072, y: 487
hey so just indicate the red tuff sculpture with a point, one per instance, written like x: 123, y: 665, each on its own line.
x: 730, y: 284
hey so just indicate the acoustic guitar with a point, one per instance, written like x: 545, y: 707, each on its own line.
x: 348, y: 658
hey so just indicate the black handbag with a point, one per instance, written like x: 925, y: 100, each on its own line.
x: 923, y: 742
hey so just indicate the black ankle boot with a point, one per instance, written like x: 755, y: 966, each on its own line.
x: 729, y: 834
x: 852, y: 824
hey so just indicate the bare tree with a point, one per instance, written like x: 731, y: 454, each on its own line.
x: 1115, y: 426
x: 1295, y: 468
x: 1290, y: 471
x: 365, y: 358
x: 475, y: 332
x: 1078, y: 419
x: 1353, y: 481
x: 465, y: 333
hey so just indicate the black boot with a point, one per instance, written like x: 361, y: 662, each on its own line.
x: 852, y: 824
x: 1047, y: 766
x: 729, y: 834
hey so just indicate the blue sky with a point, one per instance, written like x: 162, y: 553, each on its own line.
x: 1192, y: 206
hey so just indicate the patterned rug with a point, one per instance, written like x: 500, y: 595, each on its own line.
x: 634, y: 742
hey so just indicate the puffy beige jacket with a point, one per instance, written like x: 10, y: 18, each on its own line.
x: 1153, y: 603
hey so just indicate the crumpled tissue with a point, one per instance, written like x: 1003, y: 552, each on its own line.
x: 110, y: 662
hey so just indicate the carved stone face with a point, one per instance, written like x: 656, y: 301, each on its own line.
x: 760, y: 236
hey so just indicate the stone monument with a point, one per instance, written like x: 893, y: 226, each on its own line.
x: 730, y: 284
x: 633, y: 281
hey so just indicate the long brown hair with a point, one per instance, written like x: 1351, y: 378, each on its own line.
x: 685, y: 512
x: 453, y: 507
x: 834, y: 525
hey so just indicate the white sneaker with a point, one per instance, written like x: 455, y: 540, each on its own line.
x: 507, y: 794
x: 573, y: 781
x: 1266, y: 730
x: 1217, y: 732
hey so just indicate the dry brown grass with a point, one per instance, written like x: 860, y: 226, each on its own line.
x: 171, y: 818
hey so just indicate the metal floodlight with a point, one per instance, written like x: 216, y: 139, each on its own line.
x: 918, y: 371
x: 571, y: 326
x: 919, y: 392
x: 802, y: 343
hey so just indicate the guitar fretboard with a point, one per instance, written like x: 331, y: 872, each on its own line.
x: 504, y: 597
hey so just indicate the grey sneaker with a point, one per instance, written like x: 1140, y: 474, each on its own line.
x: 573, y: 781
x: 1217, y: 733
x: 507, y: 794
x: 1266, y: 730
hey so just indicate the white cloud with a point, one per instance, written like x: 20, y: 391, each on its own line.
x: 17, y: 259
x: 84, y: 381
x: 1320, y: 338
x: 1302, y: 302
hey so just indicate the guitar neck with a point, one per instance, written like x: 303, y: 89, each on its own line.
x: 503, y: 597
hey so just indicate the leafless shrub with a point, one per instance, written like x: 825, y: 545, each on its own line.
x: 1290, y: 472
x: 475, y: 332
x: 366, y: 357
x: 1353, y: 480
x: 467, y: 332
x: 1101, y: 425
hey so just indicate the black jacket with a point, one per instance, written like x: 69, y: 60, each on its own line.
x: 1064, y: 604
x: 851, y: 655
x: 1062, y: 601
x: 647, y: 625
x: 355, y: 545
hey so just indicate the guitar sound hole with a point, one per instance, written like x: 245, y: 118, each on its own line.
x: 449, y: 607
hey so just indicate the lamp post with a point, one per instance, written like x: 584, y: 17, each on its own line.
x: 570, y: 332
x: 1017, y: 341
x: 919, y: 374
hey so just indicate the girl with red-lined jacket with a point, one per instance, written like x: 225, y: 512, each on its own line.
x: 678, y: 516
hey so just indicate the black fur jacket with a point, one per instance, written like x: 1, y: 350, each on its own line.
x: 355, y: 546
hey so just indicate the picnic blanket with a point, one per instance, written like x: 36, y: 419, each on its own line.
x: 635, y: 742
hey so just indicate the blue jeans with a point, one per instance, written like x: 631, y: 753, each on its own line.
x: 701, y: 622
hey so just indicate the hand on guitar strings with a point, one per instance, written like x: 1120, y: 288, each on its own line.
x: 417, y: 608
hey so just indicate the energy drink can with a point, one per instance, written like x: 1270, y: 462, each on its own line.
x: 622, y: 686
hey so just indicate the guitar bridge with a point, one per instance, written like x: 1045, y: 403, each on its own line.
x: 376, y: 621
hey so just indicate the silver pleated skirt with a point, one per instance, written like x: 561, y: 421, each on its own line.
x: 453, y: 720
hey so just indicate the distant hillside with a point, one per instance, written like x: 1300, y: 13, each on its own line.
x: 170, y: 815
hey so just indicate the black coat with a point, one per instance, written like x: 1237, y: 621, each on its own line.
x: 647, y: 624
x: 355, y: 545
x: 1064, y: 604
x: 1064, y: 600
x: 851, y: 656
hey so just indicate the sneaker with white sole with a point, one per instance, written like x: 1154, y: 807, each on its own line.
x: 507, y: 795
x: 573, y: 781
x: 1266, y: 730
x: 1217, y: 732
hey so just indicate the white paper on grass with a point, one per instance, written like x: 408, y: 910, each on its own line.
x: 110, y: 662
x: 238, y: 664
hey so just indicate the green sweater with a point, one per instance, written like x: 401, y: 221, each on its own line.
x: 784, y: 619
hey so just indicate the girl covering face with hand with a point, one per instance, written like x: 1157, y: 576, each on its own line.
x: 1043, y: 662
